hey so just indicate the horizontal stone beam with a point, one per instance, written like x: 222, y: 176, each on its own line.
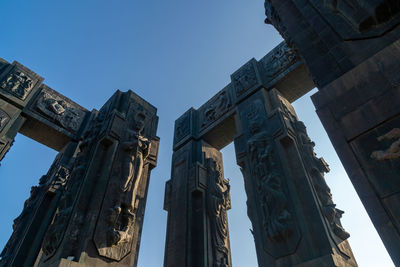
x: 282, y: 69
x: 32, y: 108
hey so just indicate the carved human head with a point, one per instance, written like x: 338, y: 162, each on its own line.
x: 139, y: 123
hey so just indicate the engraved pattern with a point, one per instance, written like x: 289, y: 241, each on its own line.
x: 216, y: 108
x: 18, y: 84
x: 278, y: 60
x: 266, y: 171
x: 244, y: 79
x: 60, y: 110
x: 117, y: 229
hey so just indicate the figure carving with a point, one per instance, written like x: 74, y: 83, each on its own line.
x: 316, y: 168
x: 18, y: 84
x: 182, y: 128
x: 244, y: 79
x: 60, y: 111
x: 135, y: 150
x: 282, y: 57
x: 364, y: 15
x: 393, y: 151
x: 21, y: 221
x: 69, y: 182
x: 60, y: 178
x: 56, y: 229
x: 265, y: 169
x: 218, y: 202
x: 216, y: 108
x: 4, y: 118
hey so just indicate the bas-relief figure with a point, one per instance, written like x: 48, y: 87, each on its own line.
x: 265, y: 170
x: 21, y: 223
x: 4, y: 118
x: 57, y: 228
x: 120, y: 215
x: 18, y: 84
x: 134, y: 149
x: 282, y: 57
x: 316, y: 168
x: 53, y: 203
x: 393, y: 151
x: 59, y: 110
x: 218, y: 202
x: 216, y: 108
x: 244, y: 79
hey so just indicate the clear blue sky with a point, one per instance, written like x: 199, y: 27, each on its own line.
x: 176, y: 54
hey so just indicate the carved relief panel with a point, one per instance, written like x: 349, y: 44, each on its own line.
x: 71, y: 180
x: 122, y: 211
x: 19, y: 82
x: 278, y: 61
x: 245, y: 79
x: 59, y: 109
x: 356, y: 19
x: 215, y: 108
x: 33, y: 215
x: 316, y: 168
x: 285, y: 186
x: 378, y: 151
x: 270, y: 206
x: 218, y: 203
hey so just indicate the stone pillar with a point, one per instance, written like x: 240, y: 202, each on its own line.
x: 31, y: 225
x: 99, y: 218
x: 361, y: 115
x: 100, y: 188
x: 351, y: 49
x: 197, y: 199
x: 295, y: 221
